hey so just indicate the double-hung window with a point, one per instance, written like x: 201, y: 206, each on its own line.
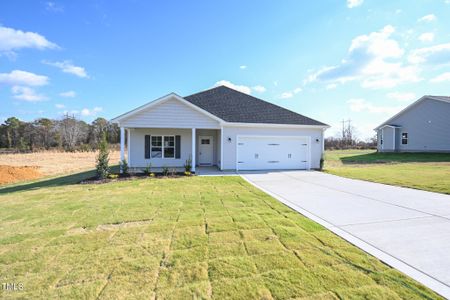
x: 404, y: 138
x: 156, y: 147
x: 169, y: 147
x: 163, y: 146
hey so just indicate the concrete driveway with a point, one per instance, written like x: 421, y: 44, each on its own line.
x: 406, y: 228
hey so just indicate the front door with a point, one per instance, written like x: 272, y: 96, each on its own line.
x: 205, y: 150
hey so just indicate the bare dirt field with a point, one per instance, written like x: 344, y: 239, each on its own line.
x: 26, y: 166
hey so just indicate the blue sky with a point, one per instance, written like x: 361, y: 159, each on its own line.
x: 330, y: 60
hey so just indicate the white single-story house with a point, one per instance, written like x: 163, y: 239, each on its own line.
x: 220, y: 127
x: 423, y: 126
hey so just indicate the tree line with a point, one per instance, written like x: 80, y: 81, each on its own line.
x: 68, y: 133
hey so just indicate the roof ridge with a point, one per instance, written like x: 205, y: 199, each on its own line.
x: 252, y: 100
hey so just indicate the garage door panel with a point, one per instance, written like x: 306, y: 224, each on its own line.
x: 260, y: 153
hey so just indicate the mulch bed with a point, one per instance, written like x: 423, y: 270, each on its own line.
x: 133, y: 176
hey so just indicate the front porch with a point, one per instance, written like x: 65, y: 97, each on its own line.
x: 171, y: 148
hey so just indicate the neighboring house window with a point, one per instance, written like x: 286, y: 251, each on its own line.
x: 404, y: 138
x: 163, y: 146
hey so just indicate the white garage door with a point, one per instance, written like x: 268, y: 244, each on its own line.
x: 272, y: 152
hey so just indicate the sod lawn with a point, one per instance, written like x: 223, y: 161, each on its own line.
x: 178, y: 238
x: 424, y: 171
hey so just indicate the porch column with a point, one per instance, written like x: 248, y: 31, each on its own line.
x: 122, y: 145
x: 221, y: 148
x: 193, y: 149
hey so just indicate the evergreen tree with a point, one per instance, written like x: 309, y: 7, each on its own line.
x: 103, y: 159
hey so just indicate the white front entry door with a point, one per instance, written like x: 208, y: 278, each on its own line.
x: 205, y: 150
x: 272, y: 152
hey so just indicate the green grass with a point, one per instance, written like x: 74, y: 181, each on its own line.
x: 425, y: 171
x: 185, y: 238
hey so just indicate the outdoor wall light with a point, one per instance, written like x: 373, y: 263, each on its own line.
x: 229, y: 140
x: 317, y: 140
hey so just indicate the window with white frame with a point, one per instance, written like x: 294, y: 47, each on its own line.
x: 163, y: 146
x: 404, y: 138
x: 156, y: 149
x: 169, y: 147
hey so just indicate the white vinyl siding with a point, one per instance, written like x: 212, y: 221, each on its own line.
x: 170, y: 114
x: 137, y: 148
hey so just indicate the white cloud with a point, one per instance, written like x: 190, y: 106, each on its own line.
x: 361, y: 105
x: 286, y: 95
x: 68, y: 94
x: 68, y: 67
x: 441, y: 78
x: 241, y: 88
x: 427, y: 18
x: 403, y: 97
x: 53, y: 7
x: 331, y: 86
x: 290, y: 94
x: 435, y: 55
x: 60, y: 106
x: 91, y: 112
x: 12, y: 39
x: 18, y: 77
x: 259, y: 89
x: 243, y: 67
x: 426, y: 37
x: 354, y: 3
x: 373, y: 60
x: 26, y: 93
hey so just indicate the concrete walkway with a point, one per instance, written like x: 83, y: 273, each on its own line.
x: 406, y: 228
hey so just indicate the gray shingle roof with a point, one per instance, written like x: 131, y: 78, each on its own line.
x: 441, y: 98
x: 233, y: 106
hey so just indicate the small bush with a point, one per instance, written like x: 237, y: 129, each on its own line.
x: 151, y: 174
x: 186, y: 173
x: 148, y: 169
x: 113, y: 176
x: 124, y: 167
x: 165, y: 171
x: 102, y: 166
x: 321, y: 163
x: 188, y: 165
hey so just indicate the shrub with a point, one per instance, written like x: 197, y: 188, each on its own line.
x: 321, y: 163
x: 102, y: 166
x: 165, y: 171
x: 188, y: 165
x: 113, y: 176
x: 124, y: 166
x: 148, y: 169
x: 151, y: 174
x: 186, y: 173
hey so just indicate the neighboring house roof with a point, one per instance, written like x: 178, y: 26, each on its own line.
x: 233, y: 106
x: 225, y: 104
x: 426, y: 97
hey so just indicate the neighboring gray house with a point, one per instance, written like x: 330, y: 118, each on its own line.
x: 220, y: 127
x: 423, y: 126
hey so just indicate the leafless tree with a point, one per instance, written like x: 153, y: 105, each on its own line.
x: 71, y: 132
